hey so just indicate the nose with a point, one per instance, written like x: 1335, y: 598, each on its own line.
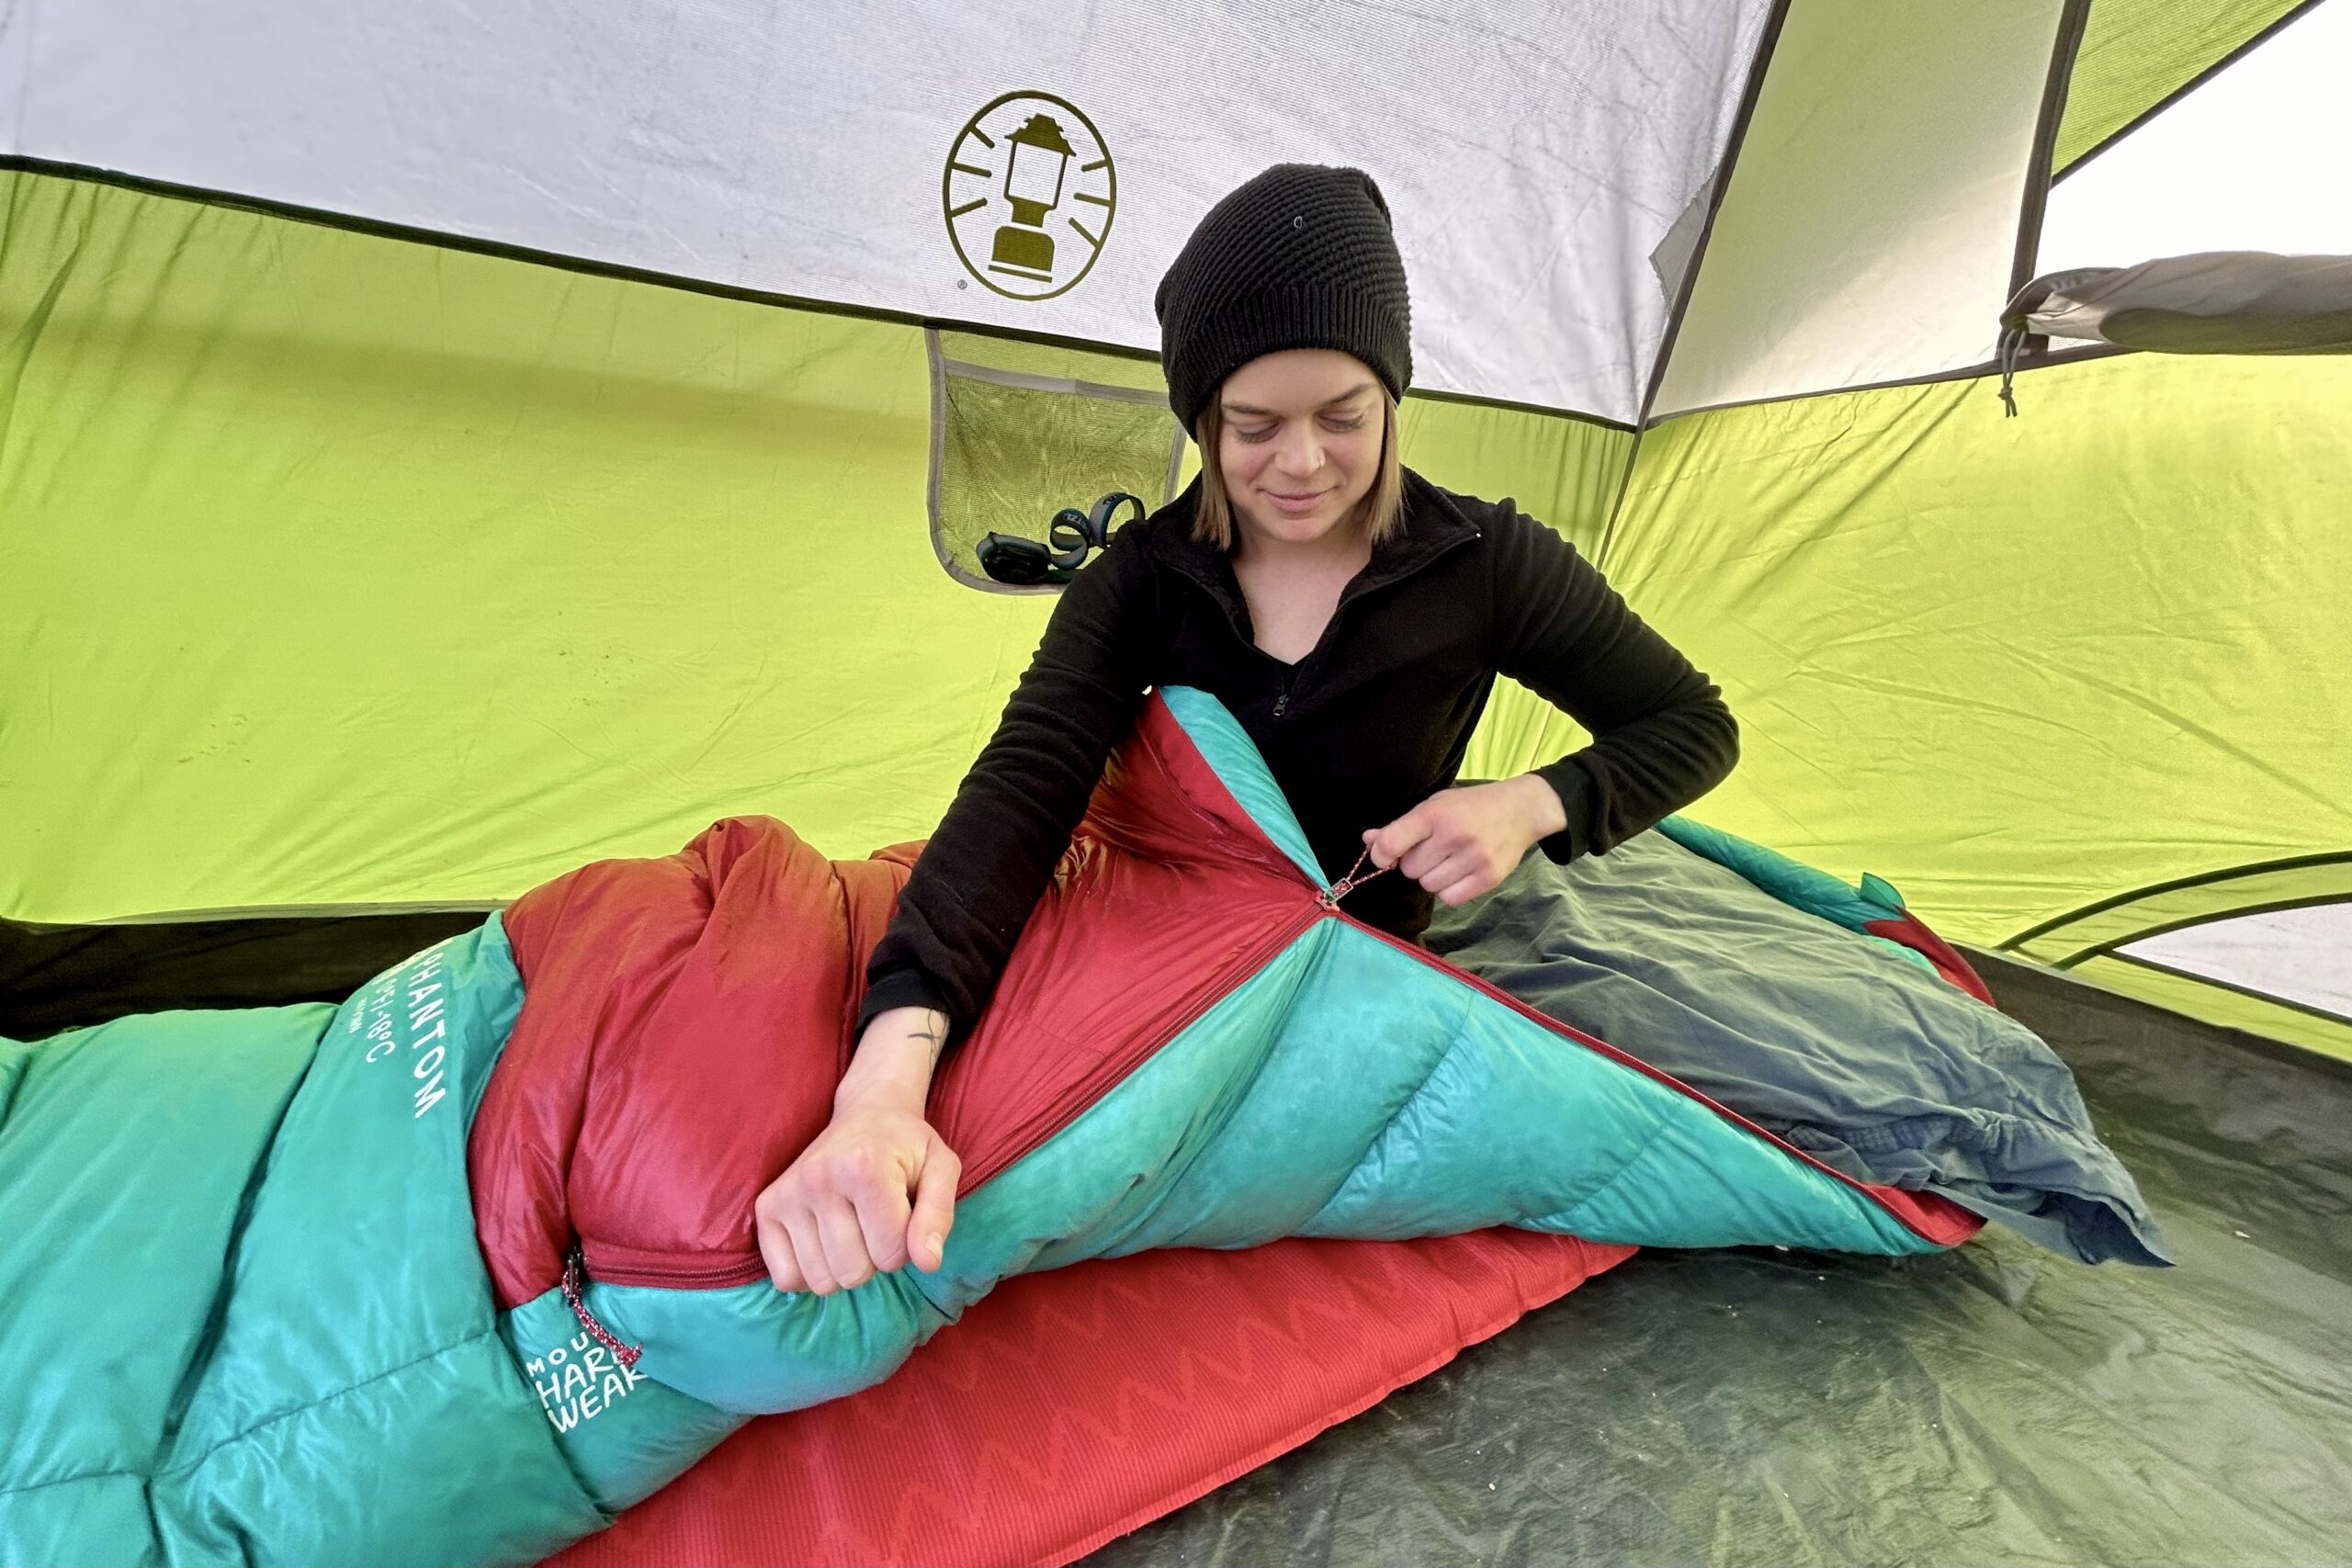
x: 1300, y: 455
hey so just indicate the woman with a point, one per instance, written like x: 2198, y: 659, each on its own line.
x: 1352, y: 615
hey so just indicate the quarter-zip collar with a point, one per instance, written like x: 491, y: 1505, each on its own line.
x: 1431, y: 526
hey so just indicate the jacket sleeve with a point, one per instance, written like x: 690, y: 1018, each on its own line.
x: 979, y: 878
x: 1662, y: 735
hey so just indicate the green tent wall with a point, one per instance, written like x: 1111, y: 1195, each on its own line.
x: 353, y: 569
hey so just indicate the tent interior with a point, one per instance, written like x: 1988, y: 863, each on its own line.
x: 439, y: 448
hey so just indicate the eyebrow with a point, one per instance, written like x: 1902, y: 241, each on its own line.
x: 1349, y: 396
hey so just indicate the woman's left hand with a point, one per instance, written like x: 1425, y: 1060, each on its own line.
x: 1460, y: 842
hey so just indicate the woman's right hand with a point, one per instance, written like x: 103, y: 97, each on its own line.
x: 877, y: 1187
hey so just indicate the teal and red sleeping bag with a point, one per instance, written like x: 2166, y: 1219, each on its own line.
x: 456, y: 1270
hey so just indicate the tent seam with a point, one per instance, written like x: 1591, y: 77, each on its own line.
x: 502, y: 250
x: 2191, y: 922
x: 2292, y: 14
x: 1726, y: 171
x: 2178, y: 885
x: 2289, y: 1003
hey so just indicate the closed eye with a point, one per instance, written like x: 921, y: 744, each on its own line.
x: 1331, y: 424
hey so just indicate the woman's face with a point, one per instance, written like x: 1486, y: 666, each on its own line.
x: 1301, y: 444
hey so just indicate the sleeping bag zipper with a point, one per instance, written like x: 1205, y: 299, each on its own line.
x: 627, y: 1354
x: 1330, y: 898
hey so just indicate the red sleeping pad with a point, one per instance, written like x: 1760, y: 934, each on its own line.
x: 1072, y: 1406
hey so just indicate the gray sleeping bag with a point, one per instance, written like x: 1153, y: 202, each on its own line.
x: 1834, y: 1040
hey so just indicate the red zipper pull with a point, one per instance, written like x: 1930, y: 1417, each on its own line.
x: 1330, y: 898
x: 627, y: 1354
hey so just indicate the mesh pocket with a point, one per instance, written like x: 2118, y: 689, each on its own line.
x: 1031, y: 429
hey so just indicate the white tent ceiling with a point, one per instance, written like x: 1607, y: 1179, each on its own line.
x: 1535, y: 154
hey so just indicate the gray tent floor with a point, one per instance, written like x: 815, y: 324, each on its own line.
x: 1994, y: 1404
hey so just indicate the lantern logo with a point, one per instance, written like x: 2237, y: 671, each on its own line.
x: 1029, y: 193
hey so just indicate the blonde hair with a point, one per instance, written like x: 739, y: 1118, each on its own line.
x: 1382, y: 511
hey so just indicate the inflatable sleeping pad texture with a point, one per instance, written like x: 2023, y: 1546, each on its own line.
x: 1071, y: 1407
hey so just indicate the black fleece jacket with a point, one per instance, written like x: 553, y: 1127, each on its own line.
x: 1369, y: 724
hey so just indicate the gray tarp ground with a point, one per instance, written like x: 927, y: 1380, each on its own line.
x: 1997, y: 1404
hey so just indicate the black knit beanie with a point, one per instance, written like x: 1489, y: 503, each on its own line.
x: 1300, y: 257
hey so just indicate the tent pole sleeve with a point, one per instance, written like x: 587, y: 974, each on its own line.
x: 2045, y: 141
